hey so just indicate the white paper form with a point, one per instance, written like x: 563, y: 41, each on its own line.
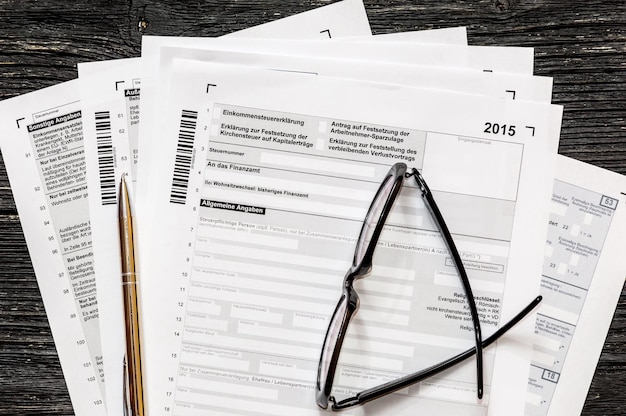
x: 344, y: 18
x: 341, y: 19
x: 269, y: 222
x: 111, y: 111
x: 42, y: 145
x: 336, y: 20
x: 447, y: 35
x: 458, y: 79
x: 515, y: 60
x: 431, y: 55
x: 583, y: 276
x: 110, y: 107
x: 113, y: 86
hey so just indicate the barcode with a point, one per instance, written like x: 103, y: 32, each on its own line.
x: 184, y: 156
x: 106, y: 163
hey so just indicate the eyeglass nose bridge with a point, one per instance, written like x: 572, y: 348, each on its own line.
x: 359, y: 270
x: 353, y: 298
x: 355, y: 273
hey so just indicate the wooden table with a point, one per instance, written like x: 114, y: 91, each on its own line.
x: 580, y: 43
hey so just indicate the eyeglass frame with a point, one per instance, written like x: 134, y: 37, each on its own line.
x: 348, y: 303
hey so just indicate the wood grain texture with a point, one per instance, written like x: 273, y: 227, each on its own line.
x: 580, y: 43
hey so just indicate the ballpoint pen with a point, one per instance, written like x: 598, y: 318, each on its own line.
x: 133, y: 386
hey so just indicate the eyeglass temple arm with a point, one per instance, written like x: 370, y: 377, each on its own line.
x: 443, y: 228
x: 387, y: 388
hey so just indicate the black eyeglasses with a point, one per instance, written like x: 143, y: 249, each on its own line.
x: 349, y: 301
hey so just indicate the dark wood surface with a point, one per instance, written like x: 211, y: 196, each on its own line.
x: 580, y: 43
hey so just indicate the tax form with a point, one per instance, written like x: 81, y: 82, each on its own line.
x: 284, y: 166
x: 494, y: 59
x: 583, y: 276
x: 345, y: 18
x: 110, y: 104
x: 111, y: 93
x: 499, y: 60
x: 42, y: 146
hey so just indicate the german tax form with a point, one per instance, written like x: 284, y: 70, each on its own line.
x: 283, y: 168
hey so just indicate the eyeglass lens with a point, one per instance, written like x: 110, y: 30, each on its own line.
x: 334, y: 336
x: 373, y: 216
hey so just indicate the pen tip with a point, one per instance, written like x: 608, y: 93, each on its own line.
x: 123, y: 178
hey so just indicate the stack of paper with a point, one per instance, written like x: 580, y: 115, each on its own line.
x: 253, y: 159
